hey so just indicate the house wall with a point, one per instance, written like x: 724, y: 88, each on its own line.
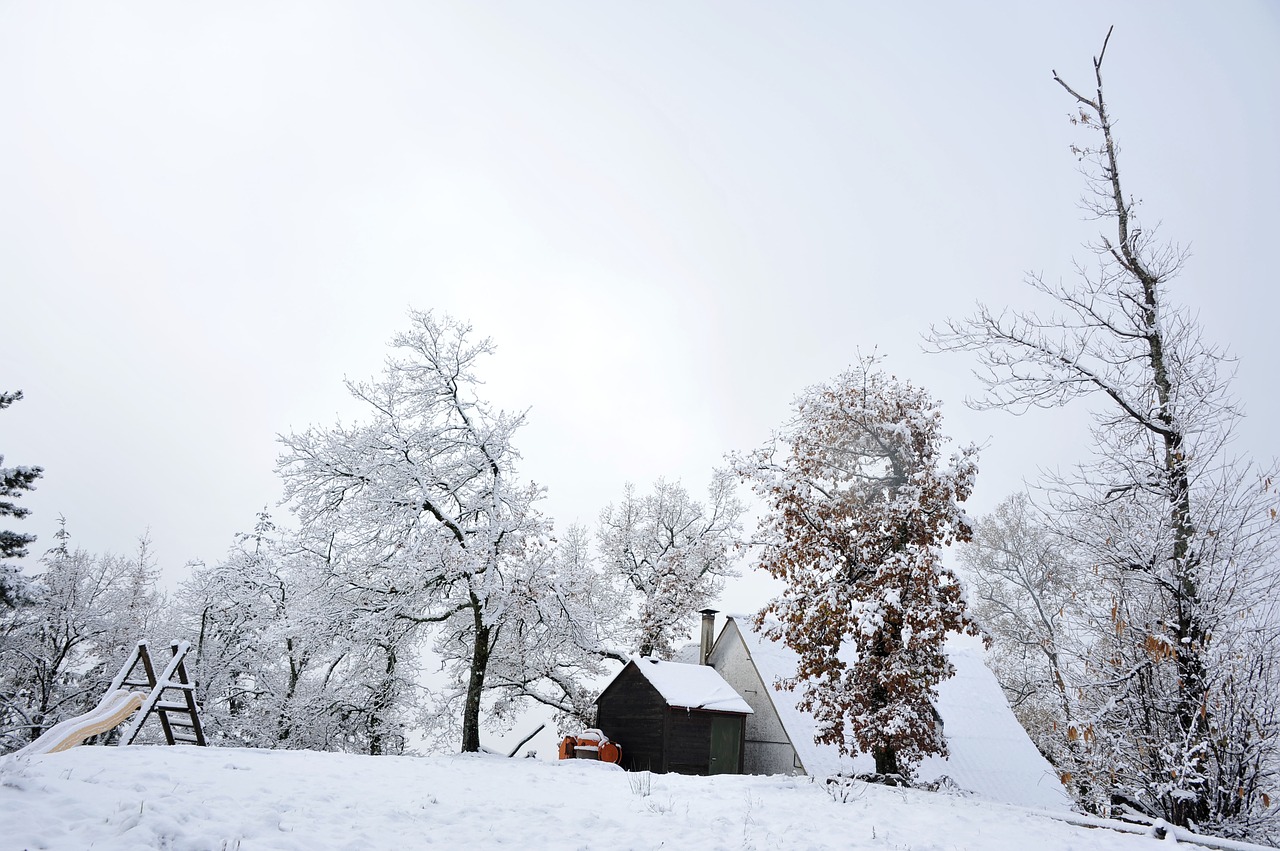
x: 688, y: 741
x: 632, y: 713
x: 767, y: 749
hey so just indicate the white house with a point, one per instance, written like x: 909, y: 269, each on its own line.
x: 991, y: 755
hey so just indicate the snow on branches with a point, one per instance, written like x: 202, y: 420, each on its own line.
x: 1179, y: 687
x: 13, y: 482
x: 671, y: 553
x: 420, y: 514
x: 860, y: 501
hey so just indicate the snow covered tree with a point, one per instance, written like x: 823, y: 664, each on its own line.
x: 556, y: 637
x: 672, y: 554
x: 419, y: 510
x: 59, y: 652
x: 860, y: 502
x: 1033, y: 598
x: 557, y: 630
x: 13, y: 481
x: 1178, y: 532
x: 270, y: 639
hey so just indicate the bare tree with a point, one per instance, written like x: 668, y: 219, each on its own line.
x: 1176, y: 529
x: 282, y: 655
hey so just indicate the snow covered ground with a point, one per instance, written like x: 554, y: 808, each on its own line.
x: 193, y: 799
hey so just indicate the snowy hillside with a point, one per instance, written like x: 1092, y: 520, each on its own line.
x: 191, y: 799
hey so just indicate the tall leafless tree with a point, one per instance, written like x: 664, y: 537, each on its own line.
x: 1177, y: 530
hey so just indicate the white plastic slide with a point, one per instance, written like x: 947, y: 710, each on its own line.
x: 111, y: 711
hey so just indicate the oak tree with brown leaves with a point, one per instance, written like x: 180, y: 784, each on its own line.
x: 861, y: 499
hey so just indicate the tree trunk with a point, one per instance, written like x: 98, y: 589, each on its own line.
x: 284, y: 722
x: 475, y: 684
x: 886, y: 756
x: 382, y: 704
x: 886, y: 760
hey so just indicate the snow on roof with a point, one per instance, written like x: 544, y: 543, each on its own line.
x: 991, y: 754
x: 687, y: 653
x: 691, y: 686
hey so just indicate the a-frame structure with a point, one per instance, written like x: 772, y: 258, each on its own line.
x: 178, y: 717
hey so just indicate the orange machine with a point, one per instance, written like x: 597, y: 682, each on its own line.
x: 590, y: 744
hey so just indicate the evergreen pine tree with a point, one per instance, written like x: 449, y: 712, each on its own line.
x: 13, y: 481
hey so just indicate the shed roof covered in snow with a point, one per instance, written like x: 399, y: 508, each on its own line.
x: 690, y: 686
x: 673, y: 717
x: 990, y: 753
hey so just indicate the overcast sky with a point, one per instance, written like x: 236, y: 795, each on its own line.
x: 671, y: 217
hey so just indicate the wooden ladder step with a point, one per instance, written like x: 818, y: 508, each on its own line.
x: 176, y: 685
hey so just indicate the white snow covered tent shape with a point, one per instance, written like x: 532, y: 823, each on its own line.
x: 991, y: 755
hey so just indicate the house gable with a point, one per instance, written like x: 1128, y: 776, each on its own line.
x: 631, y: 712
x: 769, y: 749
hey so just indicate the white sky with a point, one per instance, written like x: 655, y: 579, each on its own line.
x: 670, y: 216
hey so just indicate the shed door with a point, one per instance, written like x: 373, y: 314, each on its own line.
x: 726, y: 738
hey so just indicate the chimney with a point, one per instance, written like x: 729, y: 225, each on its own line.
x: 708, y: 634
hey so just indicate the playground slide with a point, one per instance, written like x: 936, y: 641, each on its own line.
x: 111, y: 711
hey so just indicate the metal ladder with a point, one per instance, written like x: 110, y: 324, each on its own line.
x: 178, y: 718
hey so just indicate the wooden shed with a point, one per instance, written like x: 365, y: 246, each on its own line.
x: 674, y: 717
